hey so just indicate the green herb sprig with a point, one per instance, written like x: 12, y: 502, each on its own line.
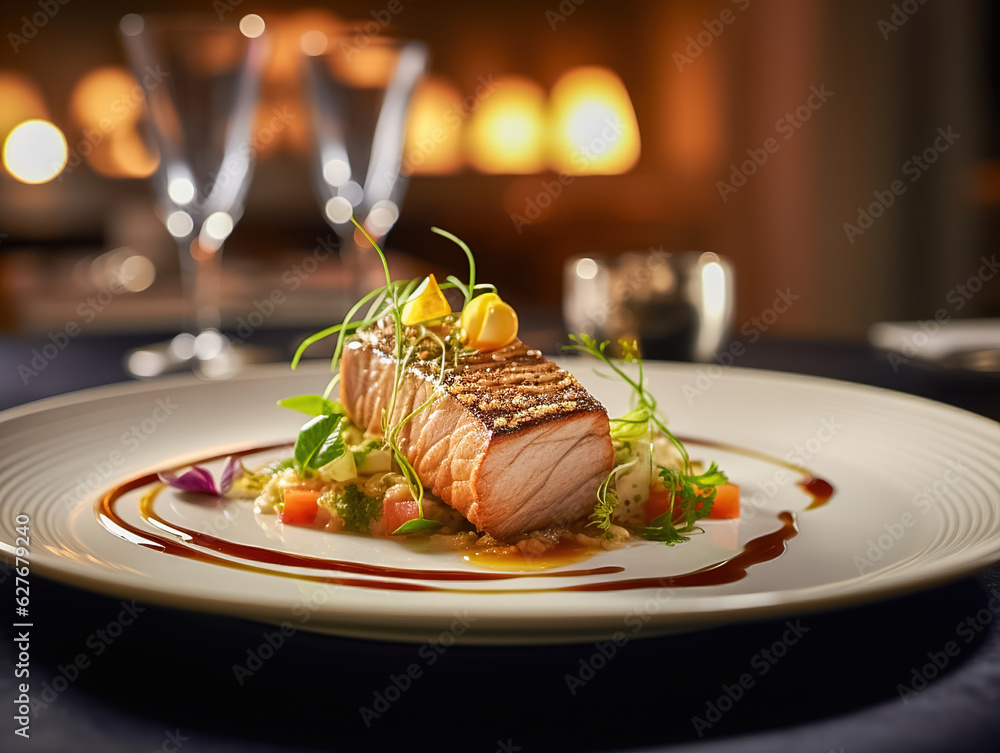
x: 691, y: 495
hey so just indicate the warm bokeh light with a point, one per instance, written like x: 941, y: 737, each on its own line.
x: 202, y: 252
x: 336, y: 172
x: 587, y: 269
x: 122, y: 266
x: 433, y: 130
x: 288, y: 36
x: 180, y: 190
x: 214, y: 231
x: 338, y: 210
x: 218, y: 226
x: 506, y: 133
x: 593, y: 128
x: 180, y: 224
x: 291, y: 35
x: 363, y: 67
x: 132, y: 25
x: 126, y: 156
x: 138, y: 272
x: 35, y: 151
x: 110, y: 94
x: 107, y: 104
x: 381, y: 217
x: 313, y: 42
x: 252, y: 25
x: 21, y: 100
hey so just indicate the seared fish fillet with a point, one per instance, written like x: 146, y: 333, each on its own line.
x: 513, y: 442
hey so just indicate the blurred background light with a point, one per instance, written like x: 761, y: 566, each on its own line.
x: 109, y: 94
x: 339, y: 209
x: 506, y: 131
x: 35, y: 151
x: 138, y: 273
x: 180, y: 224
x: 336, y: 172
x: 252, y: 25
x: 313, y: 42
x: 131, y: 24
x: 382, y: 217
x: 433, y: 134
x: 365, y: 65
x: 593, y: 128
x: 21, y: 100
x: 180, y: 190
x: 106, y: 105
x: 586, y: 269
x: 218, y: 226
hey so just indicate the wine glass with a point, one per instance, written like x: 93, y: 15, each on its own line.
x: 200, y: 77
x: 360, y: 92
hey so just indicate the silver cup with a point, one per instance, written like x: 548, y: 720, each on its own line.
x: 676, y: 306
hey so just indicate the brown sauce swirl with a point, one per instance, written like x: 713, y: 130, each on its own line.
x: 189, y: 543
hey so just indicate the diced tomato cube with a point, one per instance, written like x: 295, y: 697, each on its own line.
x: 398, y: 511
x: 727, y: 502
x: 301, y: 506
x: 726, y: 505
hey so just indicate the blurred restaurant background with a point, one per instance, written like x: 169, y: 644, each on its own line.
x: 844, y: 152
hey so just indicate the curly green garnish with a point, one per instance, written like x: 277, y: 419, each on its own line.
x: 691, y: 495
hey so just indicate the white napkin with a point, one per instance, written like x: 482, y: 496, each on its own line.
x: 930, y: 339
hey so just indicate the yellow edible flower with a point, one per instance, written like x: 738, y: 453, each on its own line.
x: 489, y: 323
x: 428, y: 302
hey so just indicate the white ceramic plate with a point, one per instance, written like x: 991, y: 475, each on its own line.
x: 917, y: 502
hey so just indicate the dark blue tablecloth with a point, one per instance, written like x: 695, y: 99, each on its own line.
x: 917, y: 673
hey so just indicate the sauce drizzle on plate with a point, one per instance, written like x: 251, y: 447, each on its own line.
x: 185, y: 542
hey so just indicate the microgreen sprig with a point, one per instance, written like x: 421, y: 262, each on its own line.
x: 691, y: 495
x: 643, y: 398
x: 468, y: 290
x: 607, y: 498
x: 402, y: 360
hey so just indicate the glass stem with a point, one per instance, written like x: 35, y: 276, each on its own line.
x: 201, y: 273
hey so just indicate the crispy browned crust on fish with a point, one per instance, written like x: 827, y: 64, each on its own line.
x: 511, y: 440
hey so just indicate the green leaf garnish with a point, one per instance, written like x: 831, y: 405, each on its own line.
x: 632, y: 426
x: 712, y: 477
x: 312, y: 405
x: 319, y: 442
x: 416, y: 525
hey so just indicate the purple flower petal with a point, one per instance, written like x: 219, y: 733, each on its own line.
x: 197, y: 479
x: 233, y: 470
